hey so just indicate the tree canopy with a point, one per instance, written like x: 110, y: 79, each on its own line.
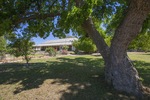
x: 41, y: 17
x: 59, y: 16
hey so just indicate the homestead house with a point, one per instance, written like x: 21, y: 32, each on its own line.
x: 57, y: 44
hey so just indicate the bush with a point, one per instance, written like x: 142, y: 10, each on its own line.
x: 85, y: 45
x: 64, y: 52
x: 51, y: 51
x: 65, y: 47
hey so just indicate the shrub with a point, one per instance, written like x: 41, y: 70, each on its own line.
x: 51, y: 51
x: 85, y: 45
x: 64, y: 52
x: 65, y: 47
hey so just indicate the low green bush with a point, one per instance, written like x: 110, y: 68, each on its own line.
x: 51, y: 51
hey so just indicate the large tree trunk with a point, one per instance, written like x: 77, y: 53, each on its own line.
x: 123, y: 75
x: 119, y: 70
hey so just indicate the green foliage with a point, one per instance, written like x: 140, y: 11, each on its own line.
x: 64, y: 50
x: 51, y: 51
x: 85, y: 45
x: 146, y: 26
x: 65, y: 47
x: 22, y: 46
x: 3, y: 45
x: 108, y: 40
x: 142, y: 42
x: 43, y: 16
x: 40, y: 17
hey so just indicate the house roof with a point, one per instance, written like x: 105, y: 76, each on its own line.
x: 59, y: 42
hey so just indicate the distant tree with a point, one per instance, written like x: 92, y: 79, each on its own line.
x: 51, y: 51
x: 3, y: 44
x: 22, y: 46
x: 142, y: 42
x: 85, y: 45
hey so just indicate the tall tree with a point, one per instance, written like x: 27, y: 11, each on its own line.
x: 123, y: 19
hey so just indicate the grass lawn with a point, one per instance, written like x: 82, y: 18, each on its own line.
x: 64, y: 78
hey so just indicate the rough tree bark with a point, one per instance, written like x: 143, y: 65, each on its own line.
x: 119, y: 70
x: 123, y: 75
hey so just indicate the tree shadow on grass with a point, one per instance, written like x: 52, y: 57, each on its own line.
x: 16, y: 72
x: 146, y: 53
x: 144, y: 71
x: 85, y: 76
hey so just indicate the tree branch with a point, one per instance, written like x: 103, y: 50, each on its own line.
x: 103, y: 48
x: 35, y: 16
x: 130, y: 26
x: 89, y: 28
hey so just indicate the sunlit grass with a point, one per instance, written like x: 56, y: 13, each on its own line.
x: 140, y: 56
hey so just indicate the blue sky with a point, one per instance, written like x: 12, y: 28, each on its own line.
x: 39, y: 40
